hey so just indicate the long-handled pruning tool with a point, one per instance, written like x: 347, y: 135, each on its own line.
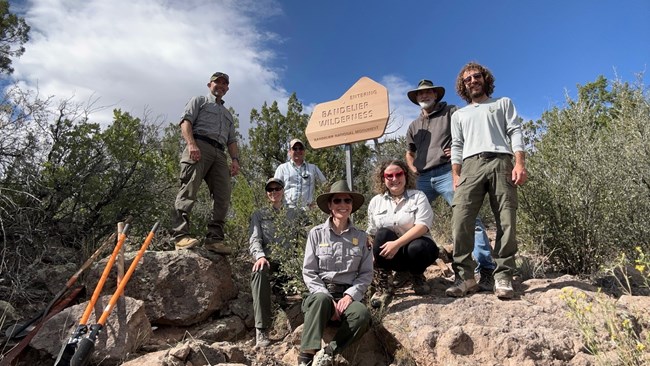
x: 78, y: 350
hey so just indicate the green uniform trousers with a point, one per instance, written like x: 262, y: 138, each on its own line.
x: 261, y: 291
x: 481, y: 175
x: 213, y: 168
x: 318, y: 309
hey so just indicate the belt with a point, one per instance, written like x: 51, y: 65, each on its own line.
x: 336, y: 288
x: 210, y: 141
x: 488, y: 155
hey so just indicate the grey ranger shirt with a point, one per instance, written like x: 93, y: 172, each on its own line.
x: 341, y: 259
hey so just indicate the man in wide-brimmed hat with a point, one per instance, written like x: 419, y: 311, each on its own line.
x: 429, y: 156
x: 337, y: 270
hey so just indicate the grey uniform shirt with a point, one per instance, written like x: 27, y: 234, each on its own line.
x: 342, y: 259
x: 490, y: 126
x: 263, y: 230
x: 210, y: 119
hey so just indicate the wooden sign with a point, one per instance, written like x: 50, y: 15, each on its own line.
x: 360, y: 114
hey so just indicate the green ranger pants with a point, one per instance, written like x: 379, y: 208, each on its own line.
x: 479, y: 176
x: 213, y: 168
x: 261, y: 290
x: 318, y: 309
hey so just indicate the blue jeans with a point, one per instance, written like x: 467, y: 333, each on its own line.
x: 438, y: 182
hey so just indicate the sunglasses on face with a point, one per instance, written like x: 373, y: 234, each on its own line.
x: 271, y: 189
x: 393, y: 176
x: 298, y: 148
x: 477, y: 76
x: 337, y: 201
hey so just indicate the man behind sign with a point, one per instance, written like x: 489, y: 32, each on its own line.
x: 299, y: 176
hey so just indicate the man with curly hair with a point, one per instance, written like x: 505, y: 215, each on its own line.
x: 486, y: 134
x: 429, y: 157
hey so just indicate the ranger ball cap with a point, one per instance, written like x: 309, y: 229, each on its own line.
x: 274, y: 180
x: 218, y: 75
x: 296, y: 141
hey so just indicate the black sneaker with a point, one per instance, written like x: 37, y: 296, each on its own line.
x: 420, y: 286
x: 486, y: 282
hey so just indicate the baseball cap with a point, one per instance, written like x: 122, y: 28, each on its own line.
x: 218, y: 75
x: 296, y: 141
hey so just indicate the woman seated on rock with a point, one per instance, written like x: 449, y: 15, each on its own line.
x: 337, y: 270
x: 263, y: 236
x: 399, y: 219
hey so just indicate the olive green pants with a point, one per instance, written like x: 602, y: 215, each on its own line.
x: 318, y: 309
x: 213, y: 168
x: 480, y: 176
x: 261, y: 291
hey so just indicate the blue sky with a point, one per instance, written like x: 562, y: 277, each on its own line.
x: 150, y: 56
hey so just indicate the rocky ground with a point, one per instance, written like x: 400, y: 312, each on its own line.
x: 195, y: 308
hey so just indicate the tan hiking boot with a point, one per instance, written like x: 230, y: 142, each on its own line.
x: 262, y: 337
x: 462, y: 288
x: 384, y: 289
x: 217, y: 247
x: 186, y: 242
x: 503, y: 289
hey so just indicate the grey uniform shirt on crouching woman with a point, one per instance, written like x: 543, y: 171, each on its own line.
x: 341, y: 259
x: 263, y: 229
x: 413, y: 209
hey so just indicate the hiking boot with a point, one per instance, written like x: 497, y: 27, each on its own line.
x: 503, y: 289
x: 262, y: 337
x: 186, y: 242
x: 216, y: 246
x: 401, y: 279
x: 420, y: 286
x: 323, y: 358
x: 486, y: 280
x: 305, y: 359
x: 383, y: 288
x: 462, y: 288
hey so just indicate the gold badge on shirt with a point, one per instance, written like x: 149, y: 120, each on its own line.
x: 355, y: 241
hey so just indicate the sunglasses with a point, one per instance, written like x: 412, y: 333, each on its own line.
x: 298, y: 148
x: 393, y: 176
x: 271, y: 189
x: 477, y: 76
x: 337, y: 201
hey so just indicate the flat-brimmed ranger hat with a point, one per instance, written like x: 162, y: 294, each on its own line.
x: 342, y: 188
x: 218, y: 75
x: 274, y: 180
x: 425, y: 84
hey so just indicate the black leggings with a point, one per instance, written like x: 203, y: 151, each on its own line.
x: 413, y: 257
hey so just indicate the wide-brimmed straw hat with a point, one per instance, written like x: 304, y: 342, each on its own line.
x: 340, y: 187
x: 425, y: 84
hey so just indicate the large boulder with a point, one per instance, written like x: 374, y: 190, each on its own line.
x: 480, y: 329
x: 178, y: 287
x: 126, y: 329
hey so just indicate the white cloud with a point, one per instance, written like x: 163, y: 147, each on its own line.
x: 150, y: 54
x: 403, y: 112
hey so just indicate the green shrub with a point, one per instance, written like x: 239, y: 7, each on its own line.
x: 588, y: 196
